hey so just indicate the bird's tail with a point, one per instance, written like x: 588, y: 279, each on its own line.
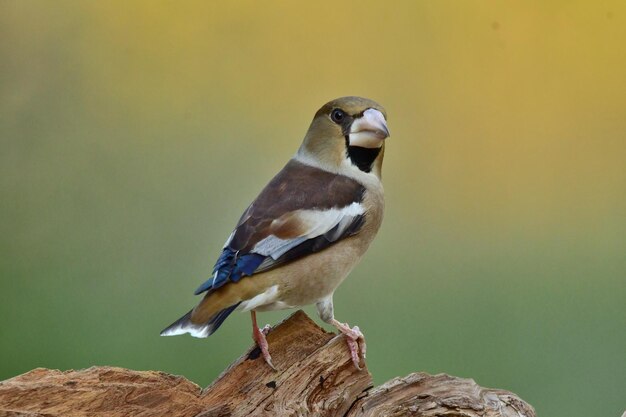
x: 186, y: 325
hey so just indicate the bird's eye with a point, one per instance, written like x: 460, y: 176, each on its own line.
x: 337, y: 115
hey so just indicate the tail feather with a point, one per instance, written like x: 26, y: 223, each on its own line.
x: 185, y: 325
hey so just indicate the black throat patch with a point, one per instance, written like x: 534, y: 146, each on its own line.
x: 362, y: 157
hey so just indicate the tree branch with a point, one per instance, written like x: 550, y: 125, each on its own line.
x: 316, y: 377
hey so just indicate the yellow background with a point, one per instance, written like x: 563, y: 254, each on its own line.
x: 133, y: 134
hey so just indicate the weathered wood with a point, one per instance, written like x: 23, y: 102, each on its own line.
x: 316, y: 377
x: 104, y: 391
x: 424, y: 395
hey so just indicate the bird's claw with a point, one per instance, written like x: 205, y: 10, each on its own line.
x: 259, y: 337
x: 356, y: 343
x: 353, y: 345
x: 268, y: 360
x: 361, y: 341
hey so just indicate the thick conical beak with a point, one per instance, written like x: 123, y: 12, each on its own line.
x: 369, y: 130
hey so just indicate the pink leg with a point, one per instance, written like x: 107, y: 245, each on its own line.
x: 259, y: 337
x: 355, y: 340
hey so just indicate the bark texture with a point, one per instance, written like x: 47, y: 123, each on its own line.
x: 315, y: 378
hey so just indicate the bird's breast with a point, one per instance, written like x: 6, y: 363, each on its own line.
x: 310, y: 279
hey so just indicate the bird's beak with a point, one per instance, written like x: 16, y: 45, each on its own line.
x: 369, y: 130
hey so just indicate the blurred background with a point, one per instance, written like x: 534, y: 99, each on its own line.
x: 133, y: 135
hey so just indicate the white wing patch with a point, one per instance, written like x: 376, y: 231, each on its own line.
x: 315, y: 223
x: 276, y: 247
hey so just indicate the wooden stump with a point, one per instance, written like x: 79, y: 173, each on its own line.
x: 315, y: 377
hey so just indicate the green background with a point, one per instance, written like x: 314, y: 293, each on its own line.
x: 133, y: 135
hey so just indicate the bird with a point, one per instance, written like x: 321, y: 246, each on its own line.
x: 306, y: 230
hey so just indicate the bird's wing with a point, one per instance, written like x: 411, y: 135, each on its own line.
x: 301, y: 211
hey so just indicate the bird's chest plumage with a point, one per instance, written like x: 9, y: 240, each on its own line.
x: 318, y: 275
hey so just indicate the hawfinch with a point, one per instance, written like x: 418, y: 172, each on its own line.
x: 305, y: 231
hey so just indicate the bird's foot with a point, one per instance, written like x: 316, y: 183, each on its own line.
x: 355, y: 340
x: 259, y: 337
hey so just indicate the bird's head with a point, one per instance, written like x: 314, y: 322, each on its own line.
x: 348, y: 131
